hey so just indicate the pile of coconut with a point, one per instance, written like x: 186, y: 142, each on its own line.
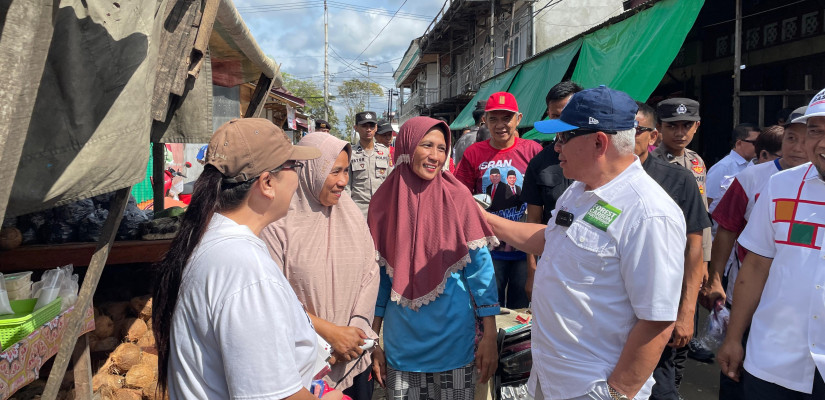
x: 123, y: 330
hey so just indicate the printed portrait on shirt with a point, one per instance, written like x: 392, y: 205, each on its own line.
x: 503, y: 185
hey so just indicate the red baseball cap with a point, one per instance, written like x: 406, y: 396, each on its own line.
x: 501, y: 101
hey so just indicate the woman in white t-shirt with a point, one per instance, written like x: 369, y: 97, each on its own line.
x: 226, y: 321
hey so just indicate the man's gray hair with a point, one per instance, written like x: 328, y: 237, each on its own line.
x: 624, y: 141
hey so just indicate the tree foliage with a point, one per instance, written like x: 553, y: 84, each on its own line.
x: 354, y: 94
x: 313, y: 94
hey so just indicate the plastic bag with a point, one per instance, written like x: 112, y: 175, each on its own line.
x: 5, y: 306
x: 717, y: 328
x: 49, y: 289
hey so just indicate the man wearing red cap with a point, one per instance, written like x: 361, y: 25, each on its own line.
x: 509, y: 155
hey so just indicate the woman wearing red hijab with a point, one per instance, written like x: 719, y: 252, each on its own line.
x: 432, y: 239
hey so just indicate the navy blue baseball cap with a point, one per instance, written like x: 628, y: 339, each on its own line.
x: 600, y: 109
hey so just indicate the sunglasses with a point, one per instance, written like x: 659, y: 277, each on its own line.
x: 289, y: 165
x: 643, y: 129
x: 563, y: 137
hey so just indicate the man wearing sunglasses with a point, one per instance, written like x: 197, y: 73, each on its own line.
x: 678, y: 121
x: 607, y: 285
x: 743, y: 151
x: 681, y: 187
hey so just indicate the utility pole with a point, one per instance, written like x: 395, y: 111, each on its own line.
x: 326, y: 64
x: 389, y: 103
x: 492, y: 38
x: 366, y: 64
x: 737, y: 61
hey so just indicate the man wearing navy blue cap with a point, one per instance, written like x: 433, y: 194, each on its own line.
x: 606, y: 291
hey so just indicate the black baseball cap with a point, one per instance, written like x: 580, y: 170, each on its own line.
x: 678, y: 109
x: 321, y: 124
x: 365, y: 117
x: 384, y: 126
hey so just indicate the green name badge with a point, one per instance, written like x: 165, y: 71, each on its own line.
x: 601, y: 215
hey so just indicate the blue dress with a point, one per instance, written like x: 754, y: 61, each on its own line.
x: 440, y: 335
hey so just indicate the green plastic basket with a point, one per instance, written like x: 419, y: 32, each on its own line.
x: 23, y: 322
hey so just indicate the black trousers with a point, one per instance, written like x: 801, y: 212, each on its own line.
x: 362, y: 386
x: 729, y: 389
x: 757, y: 389
x: 668, y: 375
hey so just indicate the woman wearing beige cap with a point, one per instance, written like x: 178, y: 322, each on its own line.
x: 227, y: 323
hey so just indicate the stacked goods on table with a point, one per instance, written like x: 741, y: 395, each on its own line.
x: 124, y: 331
x: 25, y: 307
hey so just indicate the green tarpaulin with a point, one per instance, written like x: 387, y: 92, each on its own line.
x: 633, y: 55
x: 500, y: 83
x: 536, y: 77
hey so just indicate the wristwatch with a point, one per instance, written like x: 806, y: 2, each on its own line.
x: 615, y: 394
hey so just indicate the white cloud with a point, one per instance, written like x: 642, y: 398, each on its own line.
x: 295, y: 38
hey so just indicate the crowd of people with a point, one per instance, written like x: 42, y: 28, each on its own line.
x: 605, y: 231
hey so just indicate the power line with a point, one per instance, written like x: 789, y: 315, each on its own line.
x: 332, y: 4
x: 377, y: 35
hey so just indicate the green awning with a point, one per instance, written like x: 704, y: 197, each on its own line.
x: 536, y: 78
x: 499, y: 83
x: 633, y: 55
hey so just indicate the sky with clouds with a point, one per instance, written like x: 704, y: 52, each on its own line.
x: 292, y: 33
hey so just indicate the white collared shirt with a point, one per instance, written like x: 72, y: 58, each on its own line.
x: 787, y: 336
x: 593, y: 285
x: 722, y: 173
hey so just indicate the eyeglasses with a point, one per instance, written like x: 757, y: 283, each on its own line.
x: 751, y: 141
x: 289, y: 165
x: 563, y: 137
x: 643, y: 129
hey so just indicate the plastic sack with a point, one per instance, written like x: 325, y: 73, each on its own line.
x: 5, y: 306
x: 52, y: 284
x: 68, y: 292
x: 717, y: 328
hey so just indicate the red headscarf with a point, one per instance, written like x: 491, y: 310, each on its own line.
x: 423, y: 229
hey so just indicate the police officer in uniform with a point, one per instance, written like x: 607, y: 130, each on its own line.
x: 370, y: 162
x: 322, y: 126
x: 677, y: 122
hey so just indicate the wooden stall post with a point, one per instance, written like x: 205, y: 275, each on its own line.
x: 87, y: 290
x: 82, y: 369
x: 158, y: 165
x: 259, y: 96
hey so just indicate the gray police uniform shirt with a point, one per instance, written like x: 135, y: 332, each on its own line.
x: 367, y: 171
x: 694, y: 163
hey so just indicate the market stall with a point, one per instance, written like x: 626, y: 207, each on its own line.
x: 89, y: 85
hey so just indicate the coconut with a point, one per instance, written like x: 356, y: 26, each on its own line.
x: 141, y: 375
x: 104, y: 326
x: 151, y: 392
x: 116, y: 310
x: 106, y: 379
x: 147, y: 340
x: 142, y: 306
x: 106, y: 345
x: 105, y: 392
x: 125, y: 356
x: 10, y: 238
x: 132, y: 329
x: 128, y: 394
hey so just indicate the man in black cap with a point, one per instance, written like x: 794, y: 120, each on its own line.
x: 678, y: 121
x: 370, y: 162
x: 321, y: 126
x: 384, y: 135
x: 680, y: 185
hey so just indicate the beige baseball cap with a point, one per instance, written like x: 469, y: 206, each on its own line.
x: 242, y: 149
